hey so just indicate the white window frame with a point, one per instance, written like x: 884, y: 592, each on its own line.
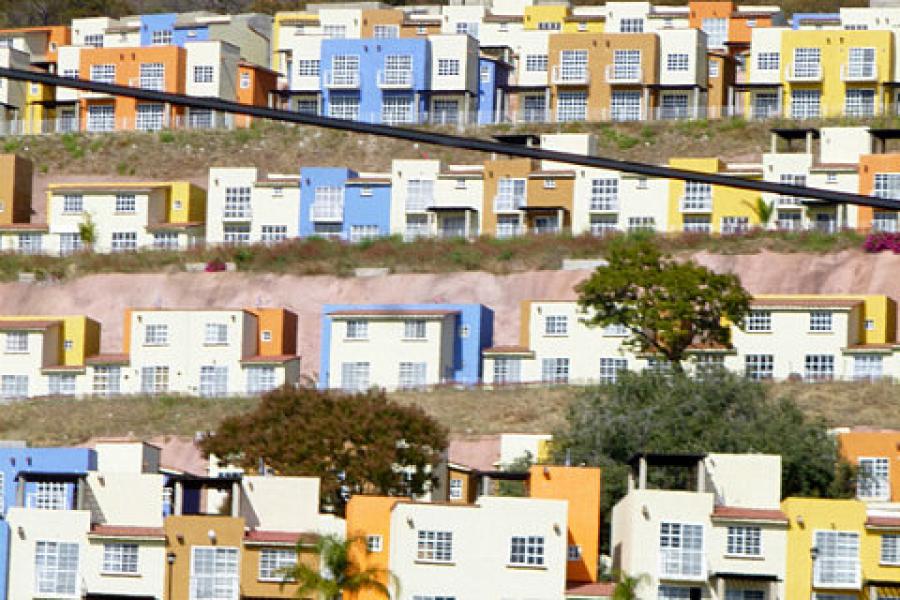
x: 273, y: 562
x: 682, y: 550
x: 526, y: 551
x: 837, y: 563
x: 224, y: 586
x: 759, y: 321
x: 120, y: 558
x: 434, y: 546
x: 556, y: 325
x: 744, y: 541
x: 156, y: 334
x: 56, y: 569
x: 555, y: 370
x: 873, y: 478
x: 821, y: 321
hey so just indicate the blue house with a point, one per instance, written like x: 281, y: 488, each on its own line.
x: 34, y: 467
x: 375, y: 80
x: 337, y: 202
x: 163, y: 29
x: 472, y: 332
x: 493, y: 79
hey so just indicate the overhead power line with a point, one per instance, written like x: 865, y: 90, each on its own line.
x: 453, y: 141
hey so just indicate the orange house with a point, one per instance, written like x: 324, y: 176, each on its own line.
x: 739, y: 23
x: 256, y: 85
x: 879, y: 175
x: 876, y: 455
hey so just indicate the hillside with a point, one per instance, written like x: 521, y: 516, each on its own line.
x: 524, y: 410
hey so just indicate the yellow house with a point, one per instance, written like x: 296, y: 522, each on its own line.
x: 836, y: 549
x: 705, y: 208
x: 832, y: 73
x: 79, y: 336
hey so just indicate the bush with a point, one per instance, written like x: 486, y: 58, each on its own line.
x: 881, y: 242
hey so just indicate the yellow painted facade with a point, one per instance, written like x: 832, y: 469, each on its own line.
x: 187, y: 203
x: 834, y: 47
x: 574, y: 24
x: 879, y: 310
x: 726, y: 202
x: 808, y: 515
x: 547, y: 14
x: 279, y: 20
x: 83, y: 333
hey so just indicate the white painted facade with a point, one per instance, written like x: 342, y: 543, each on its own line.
x: 456, y: 17
x: 43, y: 348
x: 223, y: 58
x: 524, y: 44
x: 12, y: 93
x: 682, y: 41
x: 336, y: 19
x: 402, y: 211
x: 458, y: 194
x: 480, y: 550
x: 274, y: 205
x: 68, y: 64
x: 280, y: 503
x: 642, y: 203
x: 766, y: 40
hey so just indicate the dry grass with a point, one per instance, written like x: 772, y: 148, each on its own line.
x: 524, y: 410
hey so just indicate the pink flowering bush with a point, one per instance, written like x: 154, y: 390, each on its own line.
x: 882, y: 241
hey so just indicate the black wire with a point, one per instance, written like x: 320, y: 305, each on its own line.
x: 453, y: 141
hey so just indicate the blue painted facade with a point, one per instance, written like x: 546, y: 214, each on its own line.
x: 69, y: 461
x: 493, y: 75
x: 474, y: 333
x: 372, y: 54
x: 797, y: 18
x: 166, y: 21
x: 365, y: 203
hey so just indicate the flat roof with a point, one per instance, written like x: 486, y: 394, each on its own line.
x: 795, y: 133
x: 660, y: 459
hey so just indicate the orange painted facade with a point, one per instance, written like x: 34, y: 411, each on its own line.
x: 740, y: 23
x: 869, y: 166
x: 370, y: 516
x: 580, y: 486
x: 127, y: 63
x: 51, y: 37
x: 885, y: 443
x: 277, y: 331
x: 255, y: 87
x: 15, y: 189
x: 380, y: 16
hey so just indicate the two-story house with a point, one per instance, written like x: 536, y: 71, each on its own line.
x: 245, y: 207
x: 344, y: 204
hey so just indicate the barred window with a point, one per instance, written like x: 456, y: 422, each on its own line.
x: 819, y: 367
x: 759, y: 321
x: 820, y: 320
x: 203, y: 73
x: 273, y: 562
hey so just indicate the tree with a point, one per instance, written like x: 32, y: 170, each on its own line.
x: 87, y: 231
x: 763, y: 211
x: 356, y: 443
x: 666, y: 305
x: 337, y: 573
x: 721, y: 412
x: 627, y: 586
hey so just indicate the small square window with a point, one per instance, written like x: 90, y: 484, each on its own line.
x: 831, y: 177
x: 574, y: 553
x: 68, y: 344
x: 177, y: 205
x: 374, y: 543
x: 642, y: 183
x: 365, y: 192
x: 460, y: 184
x: 464, y: 331
x: 266, y: 335
x: 549, y: 184
x: 869, y: 324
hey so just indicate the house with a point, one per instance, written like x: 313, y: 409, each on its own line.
x: 876, y: 455
x: 402, y: 346
x: 344, y: 204
x: 721, y: 534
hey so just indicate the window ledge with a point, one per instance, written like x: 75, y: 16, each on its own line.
x: 219, y: 344
x: 156, y: 344
x: 829, y: 332
x: 745, y: 556
x: 406, y: 339
x: 436, y: 563
x: 556, y: 335
x: 117, y: 574
x: 349, y: 339
x: 526, y: 567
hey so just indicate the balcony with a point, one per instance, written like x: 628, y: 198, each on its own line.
x: 237, y: 213
x: 696, y: 204
x: 604, y: 205
x: 395, y: 79
x: 623, y: 74
x: 570, y: 75
x: 859, y: 71
x: 804, y: 72
x: 508, y: 203
x: 342, y: 80
x: 327, y: 212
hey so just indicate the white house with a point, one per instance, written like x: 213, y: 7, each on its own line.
x: 245, y: 207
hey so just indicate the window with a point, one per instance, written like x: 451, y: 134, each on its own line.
x: 549, y: 184
x: 106, y: 380
x: 103, y: 73
x: 260, y: 379
x: 556, y: 325
x: 153, y: 76
x: 16, y: 342
x: 744, y: 541
x: 819, y: 367
x: 672, y: 592
x: 272, y: 234
x: 485, y: 74
x: 384, y: 32
x: 125, y: 203
x: 674, y: 106
x: 359, y: 233
x: 610, y: 369
x: 445, y: 112
x: 203, y: 74
x: 355, y: 376
x: 867, y: 367
x: 759, y: 321
x: 573, y: 65
x: 681, y: 550
x: 414, y: 329
x: 527, y: 551
x: 861, y: 63
x: 820, y: 320
x: 873, y: 478
x: 397, y: 108
x: 807, y: 63
x: 416, y: 226
x: 765, y: 105
x: 237, y: 203
x: 573, y: 553
x: 456, y: 489
x: 468, y: 28
x: 716, y: 31
x: 626, y: 65
x: 890, y: 549
x: 797, y: 179
x: 61, y: 384
x: 334, y: 31
x: 154, y: 380
x: 555, y: 370
x: 697, y: 197
x: 625, y: 106
x: 49, y: 495
x: 273, y: 562
x: 549, y: 26
x: 375, y: 543
x: 245, y: 81
x: 759, y: 366
x: 696, y: 224
x: 357, y: 330
x: 604, y: 224
x: 631, y: 26
x: 435, y: 546
x: 508, y: 226
x: 734, y: 225
x: 213, y: 381
x: 869, y: 324
x: 419, y: 597
x: 745, y: 594
x: 94, y: 40
x: 216, y: 334
x: 308, y: 67
x: 536, y: 63
x: 887, y: 185
x: 101, y: 117
x: 13, y: 386
x: 605, y: 194
x: 859, y: 102
x: 344, y: 107
x: 161, y: 37
x: 507, y: 370
x: 412, y: 375
x: 571, y: 106
x: 677, y: 62
x: 534, y: 108
x: 120, y: 558
x: 805, y: 104
x: 837, y: 563
x: 200, y: 118
x: 641, y: 224
x: 448, y: 66
x: 712, y: 67
x: 397, y: 69
x: 768, y: 61
x: 56, y: 569
x: 156, y: 335
x: 150, y: 117
x: 419, y: 194
x: 73, y: 203
x: 214, y: 573
x: 236, y: 234
x: 345, y: 70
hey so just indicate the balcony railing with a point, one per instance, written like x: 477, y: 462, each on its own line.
x: 327, y: 212
x: 679, y: 563
x: 237, y: 213
x: 696, y: 204
x: 859, y: 71
x: 343, y: 80
x: 508, y: 203
x: 804, y: 72
x: 396, y: 79
x: 623, y: 74
x: 571, y: 75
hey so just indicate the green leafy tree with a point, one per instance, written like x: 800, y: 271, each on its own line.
x: 356, y: 443
x: 721, y: 412
x: 87, y: 231
x: 337, y: 572
x: 667, y: 305
x: 763, y: 210
x: 516, y: 488
x: 627, y: 586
